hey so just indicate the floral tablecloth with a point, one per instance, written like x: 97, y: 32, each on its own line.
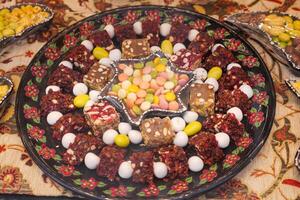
x: 271, y: 175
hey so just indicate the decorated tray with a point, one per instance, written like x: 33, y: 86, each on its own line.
x: 145, y: 102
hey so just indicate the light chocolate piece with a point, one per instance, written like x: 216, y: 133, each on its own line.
x: 157, y: 132
x: 98, y: 76
x: 135, y: 48
x: 202, y: 99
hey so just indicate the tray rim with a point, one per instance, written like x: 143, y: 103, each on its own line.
x: 187, y: 194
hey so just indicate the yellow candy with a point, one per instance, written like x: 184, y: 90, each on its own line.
x: 81, y: 100
x: 100, y: 52
x: 160, y: 68
x: 288, y: 19
x: 284, y: 37
x: 8, y: 32
x: 289, y: 26
x: 156, y: 100
x: 3, y: 90
x: 276, y: 30
x: 122, y: 140
x: 170, y: 96
x: 215, y: 72
x: 133, y: 88
x: 297, y: 24
x: 199, y: 9
x: 156, y: 61
x: 167, y: 47
x: 19, y: 29
x: 4, y: 11
x: 297, y: 85
x: 192, y: 128
x: 295, y: 33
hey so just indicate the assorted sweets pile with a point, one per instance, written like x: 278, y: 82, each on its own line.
x: 91, y: 129
x: 285, y: 32
x: 16, y: 20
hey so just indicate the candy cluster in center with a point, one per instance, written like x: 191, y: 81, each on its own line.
x: 147, y: 85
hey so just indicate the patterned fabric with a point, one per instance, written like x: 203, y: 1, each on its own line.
x: 271, y: 175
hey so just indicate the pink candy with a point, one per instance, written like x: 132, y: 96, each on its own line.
x: 122, y: 77
x: 160, y: 80
x: 137, y: 80
x: 147, y: 70
x: 163, y: 104
x: 141, y: 93
x: 144, y: 85
x: 122, y: 66
x: 163, y: 74
x: 173, y: 105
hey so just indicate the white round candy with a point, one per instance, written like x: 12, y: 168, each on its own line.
x: 110, y: 30
x: 137, y: 27
x: 165, y: 29
x: 190, y: 116
x: 115, y: 54
x: 214, y: 48
x: 67, y: 64
x: 135, y: 136
x: 247, y: 90
x: 178, y: 124
x: 237, y: 112
x: 160, y: 169
x: 222, y: 139
x: 181, y: 139
x: 54, y: 88
x: 231, y: 65
x: 146, y: 105
x: 200, y: 74
x: 68, y: 139
x: 192, y: 34
x: 88, y: 44
x: 94, y: 94
x: 53, y: 116
x: 178, y: 46
x: 109, y: 136
x: 124, y: 128
x: 91, y: 160
x: 213, y: 82
x: 105, y: 61
x: 195, y: 164
x: 155, y: 49
x: 125, y: 170
x: 80, y: 88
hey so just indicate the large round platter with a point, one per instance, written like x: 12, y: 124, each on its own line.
x: 47, y: 152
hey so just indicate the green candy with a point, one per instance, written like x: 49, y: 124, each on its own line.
x: 164, y: 61
x: 137, y: 110
x: 116, y: 88
x: 150, y: 63
x: 138, y: 65
x: 149, y: 97
x: 153, y: 74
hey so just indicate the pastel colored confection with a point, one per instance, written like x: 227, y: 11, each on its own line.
x: 80, y: 88
x: 181, y: 139
x: 237, y: 112
x: 247, y: 90
x: 178, y: 46
x: 91, y: 160
x: 193, y: 128
x: 137, y: 27
x: 195, y: 164
x: 222, y: 139
x: 202, y: 99
x: 156, y: 131
x: 67, y: 64
x: 109, y: 136
x: 160, y: 170
x: 122, y: 140
x: 135, y: 48
x: 165, y: 29
x: 110, y: 30
x: 178, y: 124
x: 115, y: 54
x: 67, y: 139
x: 190, y: 116
x: 53, y: 116
x: 192, y: 34
x: 213, y: 82
x: 200, y: 74
x: 124, y: 128
x: 88, y: 44
x: 54, y: 88
x: 135, y: 136
x: 125, y: 170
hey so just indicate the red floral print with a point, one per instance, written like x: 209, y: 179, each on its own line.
x: 151, y: 190
x: 36, y: 133
x: 220, y: 33
x: 131, y: 16
x: 66, y: 170
x: 31, y: 113
x: 234, y: 44
x: 31, y: 90
x: 200, y: 24
x: 153, y: 15
x: 180, y: 186
x: 249, y: 61
x: 208, y: 175
x: 120, y: 191
x: 109, y: 19
x: 70, y: 41
x: 89, y: 184
x: 86, y: 29
x: 178, y: 19
x: 52, y: 53
x: 28, y: 54
x: 2, y: 148
x: 257, y: 79
x: 260, y: 97
x: 38, y: 71
x: 244, y: 142
x: 11, y: 178
x: 256, y: 117
x: 46, y: 152
x: 231, y: 159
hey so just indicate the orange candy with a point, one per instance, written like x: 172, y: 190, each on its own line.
x: 141, y: 94
x: 122, y: 77
x: 139, y: 101
x: 144, y: 85
x: 173, y: 105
